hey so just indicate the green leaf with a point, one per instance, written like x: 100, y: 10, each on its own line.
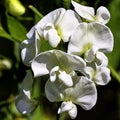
x: 114, y: 57
x: 4, y: 34
x: 16, y: 29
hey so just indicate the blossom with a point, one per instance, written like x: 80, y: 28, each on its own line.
x: 83, y: 92
x: 99, y: 75
x: 92, y: 40
x: 58, y: 64
x: 24, y: 103
x: 102, y: 14
x: 88, y: 38
x: 53, y: 28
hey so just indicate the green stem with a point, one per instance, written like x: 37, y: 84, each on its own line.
x: 114, y: 73
x: 35, y: 11
x: 63, y: 116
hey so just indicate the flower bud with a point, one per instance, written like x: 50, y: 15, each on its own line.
x: 14, y: 7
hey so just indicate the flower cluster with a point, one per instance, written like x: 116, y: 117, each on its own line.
x: 69, y: 46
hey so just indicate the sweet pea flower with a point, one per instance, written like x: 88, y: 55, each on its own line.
x: 92, y: 40
x: 53, y: 28
x: 24, y: 103
x: 58, y: 64
x: 89, y: 38
x: 97, y: 70
x: 83, y: 93
x: 100, y: 75
x: 102, y: 14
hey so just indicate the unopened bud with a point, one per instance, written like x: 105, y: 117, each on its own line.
x: 14, y: 7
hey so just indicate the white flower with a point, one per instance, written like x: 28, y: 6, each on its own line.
x: 48, y: 32
x: 24, y: 103
x: 102, y: 14
x: 57, y: 25
x: 94, y: 55
x: 89, y: 38
x: 57, y: 64
x: 83, y: 92
x: 97, y: 69
x: 70, y: 107
x: 99, y: 74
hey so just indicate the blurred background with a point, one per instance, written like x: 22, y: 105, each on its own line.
x: 16, y: 19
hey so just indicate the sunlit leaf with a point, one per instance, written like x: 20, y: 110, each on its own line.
x: 16, y: 29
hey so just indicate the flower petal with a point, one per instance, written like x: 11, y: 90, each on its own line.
x: 70, y: 107
x: 102, y: 76
x: 65, y: 78
x: 73, y: 112
x: 27, y: 82
x: 23, y: 101
x: 53, y: 73
x: 66, y: 26
x: 84, y: 11
x: 53, y: 37
x: 90, y: 54
x: 103, y: 15
x: 65, y: 106
x: 24, y: 104
x: 83, y: 92
x: 53, y: 92
x: 92, y: 34
x: 101, y: 59
x: 87, y: 95
x: 30, y: 48
x: 45, y: 61
x: 53, y: 17
x: 68, y: 62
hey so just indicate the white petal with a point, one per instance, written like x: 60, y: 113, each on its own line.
x: 43, y: 63
x: 24, y: 104
x: 89, y: 72
x: 90, y: 54
x: 73, y: 112
x: 29, y: 48
x: 65, y: 106
x: 87, y: 95
x: 92, y: 34
x: 65, y: 78
x: 66, y: 26
x: 53, y: 73
x: 23, y: 101
x: 83, y: 92
x: 53, y: 38
x: 27, y: 84
x: 52, y: 17
x: 101, y: 59
x: 27, y: 93
x: 53, y: 91
x: 51, y: 35
x: 103, y: 15
x: 70, y: 62
x: 84, y: 11
x: 102, y: 76
x: 68, y: 107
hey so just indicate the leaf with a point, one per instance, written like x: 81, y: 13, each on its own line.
x: 4, y: 34
x: 16, y: 29
x: 114, y: 57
